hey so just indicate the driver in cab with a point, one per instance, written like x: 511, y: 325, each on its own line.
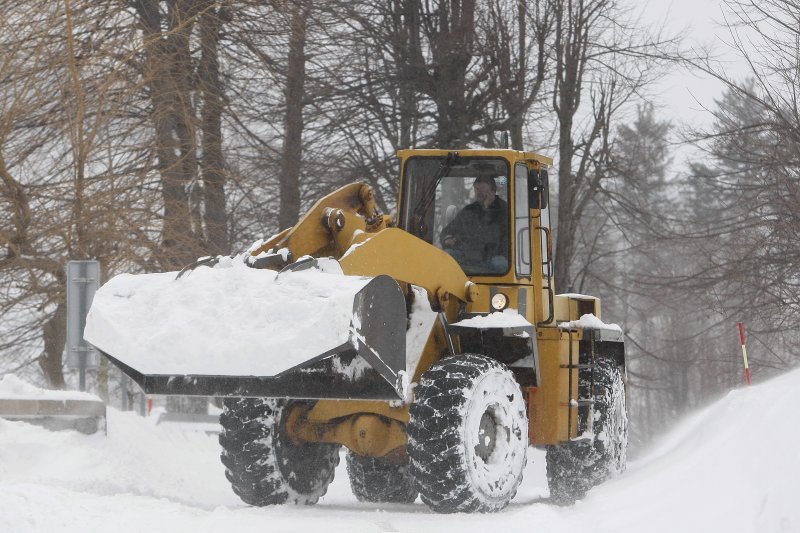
x: 478, y: 236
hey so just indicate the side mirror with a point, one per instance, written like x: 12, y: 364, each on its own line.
x: 538, y: 188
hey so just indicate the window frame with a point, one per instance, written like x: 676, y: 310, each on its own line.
x: 522, y: 222
x: 406, y: 205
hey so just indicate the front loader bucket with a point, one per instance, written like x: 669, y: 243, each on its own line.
x: 236, y: 331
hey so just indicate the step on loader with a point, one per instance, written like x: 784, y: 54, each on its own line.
x: 433, y: 348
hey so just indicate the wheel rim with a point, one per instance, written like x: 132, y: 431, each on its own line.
x: 495, y: 436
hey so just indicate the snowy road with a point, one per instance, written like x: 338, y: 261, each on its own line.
x: 734, y: 467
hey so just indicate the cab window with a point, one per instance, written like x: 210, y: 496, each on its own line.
x: 461, y: 206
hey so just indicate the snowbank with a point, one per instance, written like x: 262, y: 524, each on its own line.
x: 733, y: 467
x: 13, y: 388
x: 44, y: 474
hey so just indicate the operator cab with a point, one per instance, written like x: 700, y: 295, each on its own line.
x: 460, y: 205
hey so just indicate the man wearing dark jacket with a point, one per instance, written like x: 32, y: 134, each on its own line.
x: 478, y: 236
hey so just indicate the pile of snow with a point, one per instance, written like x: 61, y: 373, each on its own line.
x: 226, y: 320
x: 13, y: 388
x: 732, y: 467
x: 577, y: 296
x: 68, y: 481
x: 589, y: 321
x: 508, y: 318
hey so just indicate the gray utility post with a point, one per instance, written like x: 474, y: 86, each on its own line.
x: 83, y: 280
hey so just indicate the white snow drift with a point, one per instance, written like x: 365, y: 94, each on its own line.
x: 13, y: 388
x: 733, y: 467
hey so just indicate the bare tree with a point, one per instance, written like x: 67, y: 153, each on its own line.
x: 519, y: 48
x: 75, y: 155
x: 745, y: 218
x: 60, y: 90
x: 212, y: 19
x: 293, y: 123
x: 602, y: 56
x: 168, y: 66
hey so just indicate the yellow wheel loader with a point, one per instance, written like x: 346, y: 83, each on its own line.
x: 432, y: 347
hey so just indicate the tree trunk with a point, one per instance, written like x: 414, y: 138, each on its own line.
x: 55, y: 338
x: 454, y: 44
x: 570, y: 51
x: 517, y: 114
x: 213, y: 164
x: 167, y: 72
x: 291, y: 158
x: 565, y: 232
x: 408, y: 51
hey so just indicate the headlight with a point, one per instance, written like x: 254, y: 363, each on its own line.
x: 499, y: 301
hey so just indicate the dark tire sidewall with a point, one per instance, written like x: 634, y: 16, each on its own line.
x: 450, y: 401
x: 263, y: 465
x: 574, y: 467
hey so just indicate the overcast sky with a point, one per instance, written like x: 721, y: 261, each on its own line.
x: 682, y: 94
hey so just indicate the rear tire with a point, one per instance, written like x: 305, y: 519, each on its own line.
x: 262, y: 463
x: 467, y: 435
x: 573, y: 468
x: 373, y: 479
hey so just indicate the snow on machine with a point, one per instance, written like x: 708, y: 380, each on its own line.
x: 435, y: 351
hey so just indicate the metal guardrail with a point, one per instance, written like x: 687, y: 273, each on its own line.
x: 86, y: 416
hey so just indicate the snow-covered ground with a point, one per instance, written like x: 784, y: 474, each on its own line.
x: 734, y: 467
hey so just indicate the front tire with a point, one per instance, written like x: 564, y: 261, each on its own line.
x: 573, y: 468
x: 468, y: 435
x: 263, y: 465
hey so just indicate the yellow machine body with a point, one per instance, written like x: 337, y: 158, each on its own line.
x: 366, y: 245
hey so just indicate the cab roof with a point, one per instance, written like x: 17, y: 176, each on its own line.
x: 511, y: 155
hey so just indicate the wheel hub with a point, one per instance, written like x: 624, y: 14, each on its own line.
x: 487, y: 436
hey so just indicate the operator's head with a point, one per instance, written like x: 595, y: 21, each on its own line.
x: 485, y: 190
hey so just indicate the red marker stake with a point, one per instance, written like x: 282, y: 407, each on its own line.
x: 744, y: 354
